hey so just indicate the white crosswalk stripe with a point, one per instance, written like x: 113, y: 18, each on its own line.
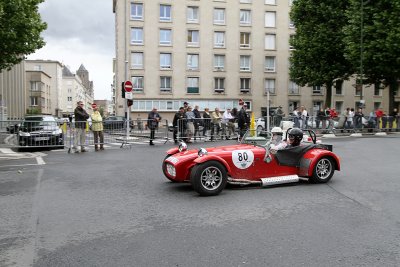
x: 7, y: 153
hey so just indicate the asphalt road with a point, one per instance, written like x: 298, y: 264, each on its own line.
x: 115, y: 208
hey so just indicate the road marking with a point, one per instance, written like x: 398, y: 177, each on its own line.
x: 7, y: 151
x: 40, y: 161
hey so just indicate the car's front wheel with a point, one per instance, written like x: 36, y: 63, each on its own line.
x: 323, y: 171
x: 209, y: 178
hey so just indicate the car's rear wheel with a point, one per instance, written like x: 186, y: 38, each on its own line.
x: 323, y: 170
x: 209, y: 178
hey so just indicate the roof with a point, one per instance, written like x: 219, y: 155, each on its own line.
x: 82, y: 68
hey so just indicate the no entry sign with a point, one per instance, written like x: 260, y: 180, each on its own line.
x: 128, y: 86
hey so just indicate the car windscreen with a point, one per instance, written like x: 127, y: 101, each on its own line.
x: 30, y: 122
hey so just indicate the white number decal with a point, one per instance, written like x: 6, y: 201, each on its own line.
x: 242, y: 158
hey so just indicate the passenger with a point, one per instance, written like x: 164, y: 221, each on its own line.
x: 295, y: 137
x: 277, y: 142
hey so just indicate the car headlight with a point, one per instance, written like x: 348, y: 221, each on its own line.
x: 56, y: 132
x: 182, y: 147
x: 171, y: 170
x: 21, y: 133
x: 202, y: 152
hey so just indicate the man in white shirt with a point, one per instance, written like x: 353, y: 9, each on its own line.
x: 228, y: 127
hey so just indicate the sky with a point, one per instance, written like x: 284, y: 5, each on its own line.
x: 80, y: 32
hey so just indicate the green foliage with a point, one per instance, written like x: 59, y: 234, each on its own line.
x: 33, y: 111
x: 20, y: 28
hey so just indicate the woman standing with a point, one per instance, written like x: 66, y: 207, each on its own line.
x: 97, y: 128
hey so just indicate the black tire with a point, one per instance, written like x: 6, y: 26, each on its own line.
x: 164, y: 169
x: 323, y: 171
x: 208, y: 178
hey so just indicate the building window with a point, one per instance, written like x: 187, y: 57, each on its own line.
x: 245, y: 63
x: 36, y: 86
x: 339, y: 87
x: 219, y: 62
x: 270, y: 19
x: 165, y: 13
x: 219, y: 16
x: 245, y: 85
x: 165, y: 61
x: 270, y: 86
x: 192, y: 62
x: 193, y: 14
x: 165, y: 37
x: 269, y: 64
x: 69, y: 98
x: 219, y: 39
x: 34, y: 100
x: 137, y: 84
x: 137, y: 60
x: 339, y: 106
x: 137, y: 36
x: 245, y: 17
x: 136, y: 11
x: 358, y: 90
x: 244, y: 40
x: 377, y: 89
x: 193, y: 38
x: 270, y: 2
x: 270, y: 43
x: 165, y: 84
x: 219, y: 85
x: 293, y: 88
x: 317, y: 90
x: 193, y: 85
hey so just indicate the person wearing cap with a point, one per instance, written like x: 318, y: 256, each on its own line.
x: 279, y: 116
x: 81, y: 117
x: 97, y: 128
x: 152, y: 122
x: 179, y: 124
x: 243, y: 120
x: 277, y: 142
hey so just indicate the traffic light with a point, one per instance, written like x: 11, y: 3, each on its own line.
x: 129, y: 102
x: 123, y: 90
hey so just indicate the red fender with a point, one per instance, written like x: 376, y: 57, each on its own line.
x: 315, y: 155
x: 205, y: 158
x: 172, y: 151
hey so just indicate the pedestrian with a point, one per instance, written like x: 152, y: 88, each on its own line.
x: 393, y: 118
x: 190, y: 118
x: 97, y: 128
x: 206, y: 123
x: 179, y: 124
x: 185, y: 106
x: 358, y: 116
x: 81, y: 117
x: 304, y: 117
x: 279, y: 116
x: 243, y: 120
x: 197, y: 121
x: 228, y: 127
x: 296, y: 118
x: 216, y: 118
x: 320, y: 118
x: 152, y: 122
x: 350, y: 116
x: 379, y: 115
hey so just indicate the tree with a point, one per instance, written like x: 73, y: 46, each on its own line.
x: 372, y: 39
x: 318, y: 55
x: 20, y: 28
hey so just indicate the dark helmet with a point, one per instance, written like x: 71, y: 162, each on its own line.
x: 297, y: 135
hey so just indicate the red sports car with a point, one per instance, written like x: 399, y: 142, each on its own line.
x: 250, y: 162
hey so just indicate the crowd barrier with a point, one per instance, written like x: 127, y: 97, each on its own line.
x: 65, y: 134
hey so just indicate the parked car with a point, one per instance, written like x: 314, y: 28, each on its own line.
x: 251, y: 162
x: 40, y: 131
x: 114, y: 123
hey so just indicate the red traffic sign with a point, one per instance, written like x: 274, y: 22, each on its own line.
x: 128, y: 86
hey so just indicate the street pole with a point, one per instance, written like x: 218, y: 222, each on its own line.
x: 361, y: 78
x: 126, y: 104
x: 267, y: 110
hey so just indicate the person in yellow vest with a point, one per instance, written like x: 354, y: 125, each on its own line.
x: 97, y: 128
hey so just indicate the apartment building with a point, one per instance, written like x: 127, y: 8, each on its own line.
x: 212, y: 53
x: 38, y: 93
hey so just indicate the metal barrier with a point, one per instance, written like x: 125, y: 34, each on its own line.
x: 204, y: 129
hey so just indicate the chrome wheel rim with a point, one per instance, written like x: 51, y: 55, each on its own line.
x: 324, y: 168
x: 211, y: 178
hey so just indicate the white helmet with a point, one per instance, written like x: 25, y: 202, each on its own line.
x: 277, y: 130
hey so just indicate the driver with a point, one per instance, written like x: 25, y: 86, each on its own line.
x: 295, y: 137
x: 277, y: 142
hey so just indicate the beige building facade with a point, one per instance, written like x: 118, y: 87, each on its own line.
x: 212, y: 53
x: 38, y: 93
